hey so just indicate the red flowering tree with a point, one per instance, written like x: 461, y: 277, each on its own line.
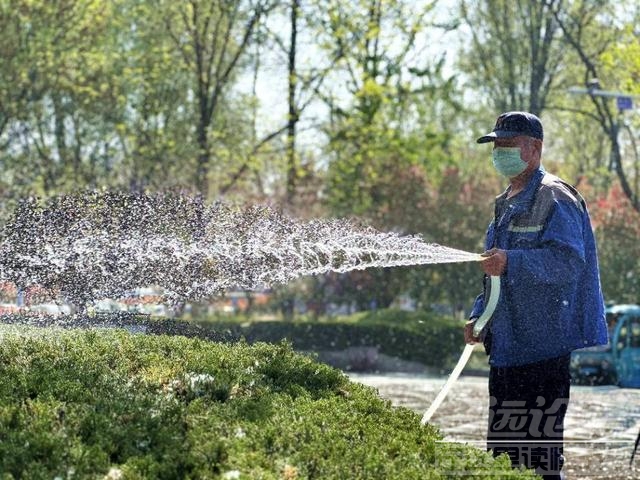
x: 617, y: 227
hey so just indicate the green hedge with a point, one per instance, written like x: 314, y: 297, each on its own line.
x: 81, y: 404
x: 417, y: 336
x: 433, y: 340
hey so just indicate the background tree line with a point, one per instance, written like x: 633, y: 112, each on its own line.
x: 367, y: 108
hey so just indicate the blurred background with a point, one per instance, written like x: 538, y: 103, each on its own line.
x: 322, y: 108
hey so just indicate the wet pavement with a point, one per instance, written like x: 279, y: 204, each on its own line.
x: 601, y: 425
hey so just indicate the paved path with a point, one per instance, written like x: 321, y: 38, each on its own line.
x: 600, y: 428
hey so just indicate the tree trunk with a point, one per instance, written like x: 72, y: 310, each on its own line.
x: 204, y: 156
x: 292, y: 120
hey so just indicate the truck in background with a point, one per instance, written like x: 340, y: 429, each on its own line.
x: 618, y: 362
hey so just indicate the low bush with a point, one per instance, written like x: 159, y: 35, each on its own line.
x: 420, y: 336
x: 110, y: 404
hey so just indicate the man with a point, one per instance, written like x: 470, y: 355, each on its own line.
x: 541, y: 245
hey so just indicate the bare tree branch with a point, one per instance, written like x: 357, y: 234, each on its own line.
x: 245, y: 166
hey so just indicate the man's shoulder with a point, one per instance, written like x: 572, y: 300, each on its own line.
x: 553, y: 189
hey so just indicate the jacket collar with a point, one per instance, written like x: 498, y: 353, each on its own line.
x: 526, y: 196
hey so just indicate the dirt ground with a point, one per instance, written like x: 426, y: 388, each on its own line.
x: 601, y: 425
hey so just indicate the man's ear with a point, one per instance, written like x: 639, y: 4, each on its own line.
x: 537, y: 145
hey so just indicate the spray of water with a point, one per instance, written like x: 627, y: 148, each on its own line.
x: 100, y: 245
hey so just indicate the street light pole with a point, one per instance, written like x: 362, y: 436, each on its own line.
x: 601, y: 93
x: 624, y: 101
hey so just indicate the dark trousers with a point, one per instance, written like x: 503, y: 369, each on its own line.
x: 527, y: 405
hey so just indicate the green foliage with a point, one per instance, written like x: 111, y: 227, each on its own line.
x: 147, y: 95
x: 417, y: 336
x: 622, y: 60
x: 391, y: 147
x: 81, y: 404
x: 514, y: 52
x: 380, y: 132
x: 99, y: 94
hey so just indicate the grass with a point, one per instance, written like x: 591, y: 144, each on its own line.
x: 110, y: 404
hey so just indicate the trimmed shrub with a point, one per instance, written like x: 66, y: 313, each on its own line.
x: 417, y: 336
x: 90, y: 404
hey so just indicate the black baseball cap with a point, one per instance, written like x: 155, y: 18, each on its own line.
x: 512, y: 124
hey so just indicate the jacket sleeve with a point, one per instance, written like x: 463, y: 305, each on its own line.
x: 478, y: 306
x: 559, y: 255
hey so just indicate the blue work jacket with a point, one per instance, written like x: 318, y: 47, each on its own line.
x: 550, y: 302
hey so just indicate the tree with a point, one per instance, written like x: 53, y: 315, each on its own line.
x: 597, y: 36
x: 212, y: 39
x: 49, y: 88
x: 380, y: 76
x: 148, y: 111
x: 515, y: 52
x: 293, y: 114
x: 458, y: 214
x: 383, y: 95
x: 529, y: 64
x: 617, y: 229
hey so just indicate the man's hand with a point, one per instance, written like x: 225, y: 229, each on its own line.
x: 495, y: 263
x: 468, y: 333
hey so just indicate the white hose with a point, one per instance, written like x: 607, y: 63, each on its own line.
x: 489, y: 308
x: 464, y: 358
x: 468, y: 349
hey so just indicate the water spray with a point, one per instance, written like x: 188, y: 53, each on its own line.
x: 103, y: 245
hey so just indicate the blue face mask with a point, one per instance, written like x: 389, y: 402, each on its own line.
x: 508, y: 162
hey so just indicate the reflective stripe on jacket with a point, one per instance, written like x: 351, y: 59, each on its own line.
x: 551, y: 302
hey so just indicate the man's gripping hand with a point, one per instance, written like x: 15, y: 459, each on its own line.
x: 469, y: 338
x: 495, y: 262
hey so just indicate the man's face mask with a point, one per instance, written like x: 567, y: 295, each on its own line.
x: 508, y: 162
